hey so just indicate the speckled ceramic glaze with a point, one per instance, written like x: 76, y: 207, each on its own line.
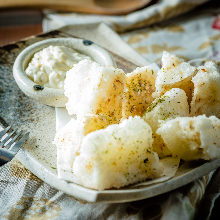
x: 51, y: 96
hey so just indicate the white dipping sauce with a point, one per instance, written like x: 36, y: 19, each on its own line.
x: 48, y: 67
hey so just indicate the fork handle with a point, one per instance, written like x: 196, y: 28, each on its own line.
x: 2, y: 162
x: 5, y: 156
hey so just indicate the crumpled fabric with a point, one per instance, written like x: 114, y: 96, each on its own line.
x: 156, y: 12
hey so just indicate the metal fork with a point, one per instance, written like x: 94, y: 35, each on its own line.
x: 10, y: 144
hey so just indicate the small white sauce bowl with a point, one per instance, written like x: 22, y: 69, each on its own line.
x: 51, y: 96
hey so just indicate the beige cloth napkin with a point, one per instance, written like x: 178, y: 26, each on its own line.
x: 156, y: 12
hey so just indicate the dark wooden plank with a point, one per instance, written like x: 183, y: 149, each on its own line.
x: 10, y: 34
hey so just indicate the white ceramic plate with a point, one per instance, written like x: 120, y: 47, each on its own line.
x: 45, y: 171
x: 39, y: 156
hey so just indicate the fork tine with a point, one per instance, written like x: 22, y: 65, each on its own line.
x: 6, y: 139
x: 9, y: 144
x: 3, y: 132
x: 18, y: 145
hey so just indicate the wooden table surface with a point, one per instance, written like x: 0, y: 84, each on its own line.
x: 18, y: 24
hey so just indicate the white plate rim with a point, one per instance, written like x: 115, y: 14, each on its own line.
x: 118, y: 195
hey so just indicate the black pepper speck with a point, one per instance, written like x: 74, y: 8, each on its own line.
x: 146, y: 160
